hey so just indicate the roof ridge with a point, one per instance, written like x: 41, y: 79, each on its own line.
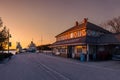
x: 96, y: 27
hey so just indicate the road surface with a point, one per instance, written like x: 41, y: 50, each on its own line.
x: 46, y: 67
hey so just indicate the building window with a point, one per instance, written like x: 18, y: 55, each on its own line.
x: 71, y: 35
x: 93, y: 33
x: 79, y: 33
x: 83, y: 32
x: 78, y: 49
x: 89, y: 32
x: 75, y: 34
x: 62, y: 49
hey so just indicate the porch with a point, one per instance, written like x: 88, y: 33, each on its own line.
x: 90, y: 52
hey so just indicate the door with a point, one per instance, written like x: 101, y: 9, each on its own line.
x: 69, y: 54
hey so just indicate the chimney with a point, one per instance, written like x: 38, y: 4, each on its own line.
x: 76, y: 24
x: 85, y: 20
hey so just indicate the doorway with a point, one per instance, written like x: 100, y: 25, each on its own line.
x: 69, y: 52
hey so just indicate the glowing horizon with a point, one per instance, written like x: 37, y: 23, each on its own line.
x: 33, y: 19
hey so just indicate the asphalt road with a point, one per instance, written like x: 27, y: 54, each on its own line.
x: 46, y: 67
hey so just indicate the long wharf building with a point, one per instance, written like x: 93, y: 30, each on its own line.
x: 88, y: 39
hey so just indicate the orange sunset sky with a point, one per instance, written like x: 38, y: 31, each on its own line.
x: 31, y: 19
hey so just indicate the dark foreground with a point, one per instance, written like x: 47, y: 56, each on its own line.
x: 45, y: 67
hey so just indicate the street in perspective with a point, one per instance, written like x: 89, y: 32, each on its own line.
x: 59, y: 39
x: 46, y: 67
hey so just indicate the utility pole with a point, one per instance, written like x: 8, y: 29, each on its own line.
x: 41, y: 43
x: 41, y: 40
x: 9, y: 36
x: 8, y: 39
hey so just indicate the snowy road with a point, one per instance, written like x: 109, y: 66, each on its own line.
x: 45, y: 67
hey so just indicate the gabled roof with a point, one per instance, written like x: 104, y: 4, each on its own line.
x: 72, y: 28
x: 87, y: 25
x: 96, y: 27
x: 107, y: 38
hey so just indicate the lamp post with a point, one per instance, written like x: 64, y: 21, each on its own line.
x: 8, y: 40
x: 41, y: 43
x: 9, y: 36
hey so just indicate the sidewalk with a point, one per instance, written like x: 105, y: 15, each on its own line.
x: 109, y: 64
x: 106, y: 64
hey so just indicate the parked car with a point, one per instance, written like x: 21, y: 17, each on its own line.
x: 57, y: 53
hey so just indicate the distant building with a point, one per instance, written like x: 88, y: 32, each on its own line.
x: 18, y: 48
x: 32, y: 47
x: 88, y: 39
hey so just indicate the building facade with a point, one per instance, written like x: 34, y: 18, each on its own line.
x: 86, y: 39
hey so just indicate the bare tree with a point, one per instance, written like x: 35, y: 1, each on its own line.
x: 112, y: 25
